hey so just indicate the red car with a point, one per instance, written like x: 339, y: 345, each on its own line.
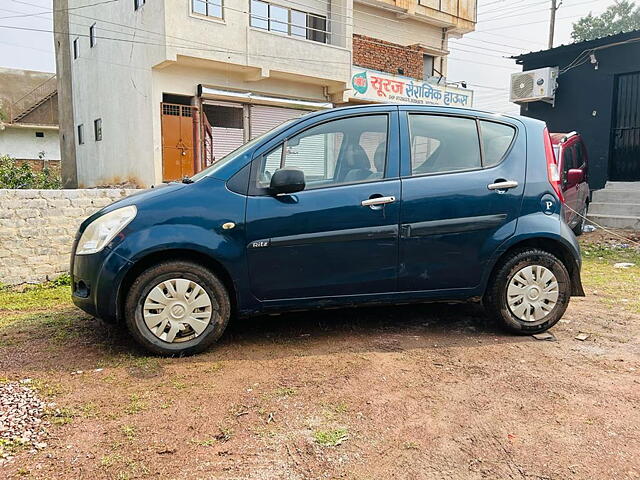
x: 573, y: 163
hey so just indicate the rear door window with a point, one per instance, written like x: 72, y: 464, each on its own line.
x: 443, y: 144
x: 496, y: 140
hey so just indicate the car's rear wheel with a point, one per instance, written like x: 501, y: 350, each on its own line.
x: 177, y: 308
x: 529, y: 291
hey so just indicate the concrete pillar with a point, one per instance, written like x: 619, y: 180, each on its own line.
x: 62, y: 43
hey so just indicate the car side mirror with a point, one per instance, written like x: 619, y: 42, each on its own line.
x: 287, y: 180
x: 575, y: 176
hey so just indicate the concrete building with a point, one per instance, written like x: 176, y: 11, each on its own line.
x: 154, y: 91
x: 29, y: 117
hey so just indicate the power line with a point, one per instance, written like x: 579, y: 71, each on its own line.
x: 58, y: 10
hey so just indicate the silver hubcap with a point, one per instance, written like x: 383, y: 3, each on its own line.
x: 177, y: 310
x: 532, y: 293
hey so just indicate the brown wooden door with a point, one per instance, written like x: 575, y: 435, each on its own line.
x: 177, y: 141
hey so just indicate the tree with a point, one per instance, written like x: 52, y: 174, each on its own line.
x: 622, y: 16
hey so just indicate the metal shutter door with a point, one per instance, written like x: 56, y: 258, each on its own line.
x: 226, y: 140
x: 313, y: 156
x: 263, y: 118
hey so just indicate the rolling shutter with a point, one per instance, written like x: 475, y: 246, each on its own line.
x: 226, y: 140
x: 263, y: 118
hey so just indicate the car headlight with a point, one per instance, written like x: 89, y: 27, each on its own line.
x: 104, y: 229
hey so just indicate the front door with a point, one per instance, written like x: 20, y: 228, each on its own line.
x: 177, y: 141
x: 462, y: 186
x: 625, y: 135
x: 323, y: 241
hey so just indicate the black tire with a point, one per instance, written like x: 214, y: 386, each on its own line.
x: 495, y: 300
x: 577, y: 229
x: 221, y: 308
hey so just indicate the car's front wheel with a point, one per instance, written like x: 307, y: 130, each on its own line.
x: 529, y: 291
x: 177, y: 308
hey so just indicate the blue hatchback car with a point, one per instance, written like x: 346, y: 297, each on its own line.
x: 344, y: 207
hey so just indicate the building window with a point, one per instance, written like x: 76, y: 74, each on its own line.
x: 80, y: 134
x: 92, y: 35
x: 428, y: 66
x: 97, y: 129
x: 288, y: 21
x: 209, y: 8
x: 138, y: 3
x: 76, y: 48
x: 39, y: 134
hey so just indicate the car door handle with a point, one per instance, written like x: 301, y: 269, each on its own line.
x: 503, y: 185
x: 372, y: 202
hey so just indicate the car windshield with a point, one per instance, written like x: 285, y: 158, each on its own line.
x: 556, y: 151
x: 238, y: 152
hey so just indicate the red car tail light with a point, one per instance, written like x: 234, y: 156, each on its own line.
x: 553, y: 171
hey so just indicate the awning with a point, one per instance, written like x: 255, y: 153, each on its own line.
x: 256, y: 98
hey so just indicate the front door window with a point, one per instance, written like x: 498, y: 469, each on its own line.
x: 338, y: 152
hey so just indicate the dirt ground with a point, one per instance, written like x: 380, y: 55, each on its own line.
x: 408, y: 392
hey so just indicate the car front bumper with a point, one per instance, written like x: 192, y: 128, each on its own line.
x: 96, y: 280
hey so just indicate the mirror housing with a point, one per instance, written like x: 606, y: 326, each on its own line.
x: 287, y: 180
x: 575, y: 176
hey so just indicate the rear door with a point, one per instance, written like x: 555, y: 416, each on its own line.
x: 462, y: 186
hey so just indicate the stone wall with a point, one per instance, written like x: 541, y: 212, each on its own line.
x: 37, y: 228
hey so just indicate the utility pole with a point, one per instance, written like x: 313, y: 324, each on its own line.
x: 552, y: 22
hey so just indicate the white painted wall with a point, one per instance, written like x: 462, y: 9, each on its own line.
x: 385, y: 25
x: 112, y: 81
x: 233, y: 40
x: 22, y: 143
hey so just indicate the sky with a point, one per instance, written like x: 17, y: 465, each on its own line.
x: 504, y: 28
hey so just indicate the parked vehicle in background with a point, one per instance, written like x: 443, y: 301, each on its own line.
x: 573, y: 162
x: 369, y: 204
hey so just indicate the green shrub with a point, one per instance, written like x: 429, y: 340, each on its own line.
x: 14, y: 175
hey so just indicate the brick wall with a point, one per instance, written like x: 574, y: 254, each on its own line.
x: 38, y: 165
x: 388, y: 57
x: 37, y: 228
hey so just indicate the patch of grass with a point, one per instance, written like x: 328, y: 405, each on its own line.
x: 129, y: 431
x: 46, y: 296
x: 284, y: 392
x: 410, y: 446
x: 47, y: 389
x: 612, y: 284
x: 110, y: 459
x: 89, y: 410
x: 9, y: 447
x: 205, y: 443
x: 139, y: 367
x: 224, y: 435
x: 213, y: 367
x: 136, y: 405
x: 331, y: 438
x: 178, y: 385
x: 60, y: 416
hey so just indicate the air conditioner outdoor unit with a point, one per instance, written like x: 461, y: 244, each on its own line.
x: 534, y: 85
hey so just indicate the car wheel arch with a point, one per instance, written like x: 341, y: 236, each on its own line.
x: 156, y: 257
x: 547, y: 244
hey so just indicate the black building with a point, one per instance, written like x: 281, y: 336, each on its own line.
x: 598, y: 95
